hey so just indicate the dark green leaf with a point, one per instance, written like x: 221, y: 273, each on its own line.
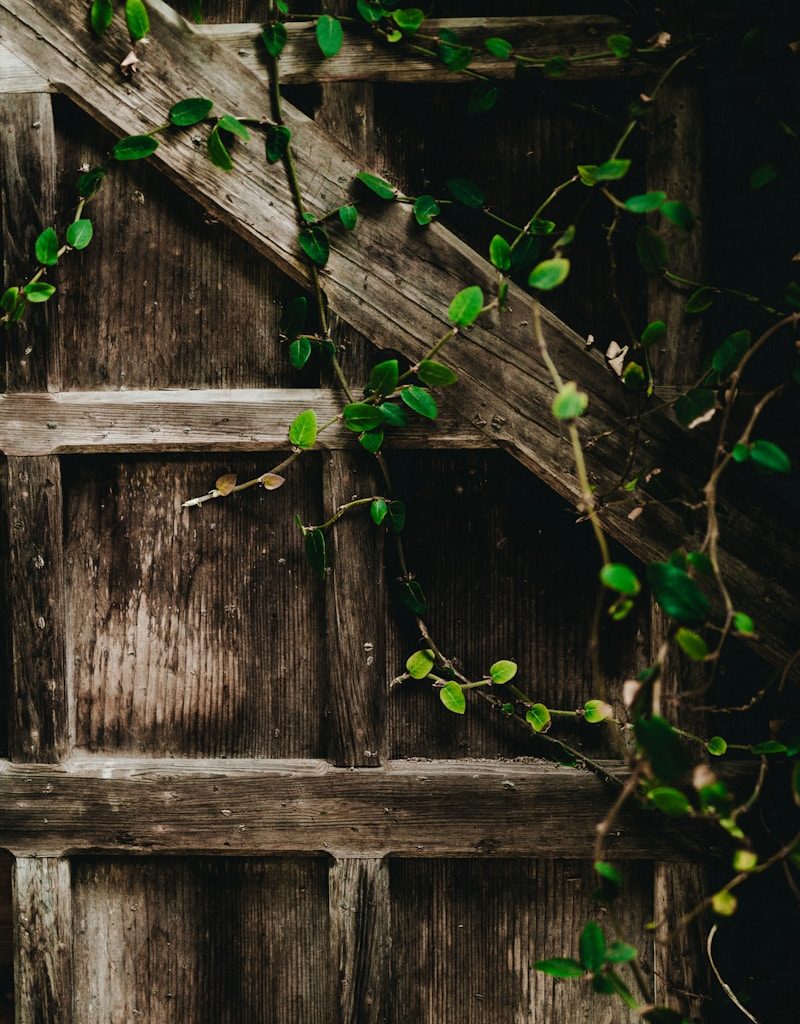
x: 394, y: 415
x: 696, y: 407
x: 549, y: 274
x: 101, y: 15
x: 452, y: 53
x: 360, y: 416
x: 620, y: 45
x: 277, y: 142
x: 329, y: 35
x: 383, y: 379
x: 763, y: 175
x: 379, y: 186
x: 555, y: 67
x: 500, y: 48
x: 316, y: 552
x: 39, y: 291
x: 452, y: 696
x: 435, y: 375
x: 303, y: 431
x: 189, y: 112
x: 348, y: 215
x: 612, y: 170
x: 293, y: 317
x: 500, y: 253
x: 651, y: 250
x: 768, y: 747
x: 608, y: 872
x: 9, y: 299
x: 79, y: 233
x: 378, y: 510
x: 137, y: 19
x: 218, y: 151
x: 425, y: 209
x: 730, y: 352
x: 700, y: 300
x: 314, y: 243
x: 669, y: 801
x: 592, y: 946
x: 677, y: 593
x: 560, y: 967
x: 46, y: 248
x: 409, y: 19
x: 89, y: 183
x: 397, y: 516
x: 466, y: 192
x: 620, y: 953
x: 421, y: 401
x: 466, y: 306
x: 483, y: 96
x: 653, y: 333
x: 135, y: 147
x: 678, y: 214
x: 663, y: 747
x: 770, y: 456
x: 372, y: 440
x: 664, y: 1015
x: 619, y: 577
x: 232, y: 124
x: 274, y: 37
x: 370, y: 10
x: 645, y: 203
x: 299, y: 351
x: 413, y: 596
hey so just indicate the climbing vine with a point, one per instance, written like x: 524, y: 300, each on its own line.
x: 670, y: 767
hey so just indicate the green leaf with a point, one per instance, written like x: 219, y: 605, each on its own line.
x: 137, y: 19
x: 274, y: 37
x: 452, y: 53
x: 412, y: 595
x: 189, y: 112
x: 663, y: 1015
x: 425, y: 209
x: 9, y: 299
x: 768, y: 747
x: 695, y: 407
x: 743, y: 624
x: 483, y: 96
x: 555, y: 67
x: 500, y: 48
x: 540, y: 226
x: 409, y: 19
x: 383, y: 379
x: 744, y: 860
x: 500, y: 253
x: 620, y: 45
x: 692, y: 644
x: 538, y: 717
x: 763, y: 175
x: 372, y: 440
x: 466, y: 306
x: 700, y: 300
x: 730, y: 353
x: 293, y: 317
x: 608, y: 872
x: 724, y: 903
x: 421, y: 401
x: 79, y: 233
x: 678, y: 214
x: 619, y: 577
x: 596, y: 711
x: 46, y: 248
x: 651, y: 250
x: 303, y: 431
x: 196, y: 11
x: 620, y: 953
x: 135, y: 147
x: 370, y: 10
x: 645, y: 203
x: 524, y: 257
x: 39, y: 291
x: 669, y: 801
x: 741, y: 453
x: 452, y: 696
x: 549, y: 274
x: 101, y: 15
x: 348, y: 215
x: 299, y: 352
x: 360, y: 416
x: 592, y: 946
x: 502, y: 672
x: 395, y: 415
x: 420, y: 663
x: 277, y: 142
x: 663, y: 747
x: 435, y: 375
x: 379, y: 186
x: 467, y: 192
x: 770, y: 456
x: 560, y: 967
x: 314, y: 243
x: 329, y: 35
x: 232, y: 124
x: 677, y: 593
x: 89, y: 183
x: 570, y: 403
x: 612, y: 170
x: 396, y: 511
x: 218, y: 151
x: 316, y: 552
x: 717, y: 746
x: 378, y: 510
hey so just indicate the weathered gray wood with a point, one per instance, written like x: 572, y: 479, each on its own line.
x: 169, y: 941
x: 39, y: 722
x: 16, y: 76
x: 408, y: 808
x: 359, y: 901
x: 28, y: 176
x: 503, y: 387
x: 84, y: 422
x: 364, y: 58
x: 43, y: 987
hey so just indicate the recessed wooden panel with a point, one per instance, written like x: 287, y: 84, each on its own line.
x: 201, y: 942
x: 192, y: 631
x: 466, y: 935
x: 508, y: 574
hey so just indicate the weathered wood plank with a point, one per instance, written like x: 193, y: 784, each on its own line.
x: 39, y: 721
x: 359, y: 902
x: 364, y: 58
x: 18, y: 77
x: 89, y: 422
x: 43, y: 989
x: 401, y: 301
x: 408, y: 808
x: 28, y: 175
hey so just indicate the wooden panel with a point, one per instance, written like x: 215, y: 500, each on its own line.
x: 174, y: 942
x: 43, y: 980
x: 410, y: 808
x: 39, y: 701
x: 17, y: 76
x: 197, y: 420
x: 466, y: 934
x: 6, y: 940
x: 191, y: 633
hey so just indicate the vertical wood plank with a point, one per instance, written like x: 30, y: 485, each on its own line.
x: 43, y: 936
x: 360, y: 937
x: 39, y: 727
x: 27, y: 206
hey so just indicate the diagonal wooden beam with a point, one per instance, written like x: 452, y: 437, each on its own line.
x: 393, y: 283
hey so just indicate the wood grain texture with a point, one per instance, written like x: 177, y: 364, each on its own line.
x: 18, y: 77
x: 502, y: 384
x: 39, y: 726
x: 467, y: 934
x: 408, y: 808
x: 84, y: 422
x: 234, y: 942
x: 28, y: 173
x: 6, y: 940
x: 189, y: 633
x: 43, y: 979
x: 360, y: 917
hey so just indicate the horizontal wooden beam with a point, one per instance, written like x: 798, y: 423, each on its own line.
x: 75, y: 422
x: 393, y: 282
x: 406, y: 808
